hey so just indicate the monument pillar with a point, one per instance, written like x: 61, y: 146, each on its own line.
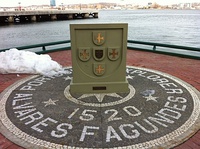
x: 99, y: 58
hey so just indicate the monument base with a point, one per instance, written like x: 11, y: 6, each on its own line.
x: 99, y: 87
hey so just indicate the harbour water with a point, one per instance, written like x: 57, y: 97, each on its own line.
x: 179, y: 27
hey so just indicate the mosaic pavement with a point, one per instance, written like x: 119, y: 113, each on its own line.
x: 160, y: 111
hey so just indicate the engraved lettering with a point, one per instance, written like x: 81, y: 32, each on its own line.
x: 27, y: 87
x: 33, y: 117
x: 24, y: 106
x: 112, y: 134
x: 84, y: 132
x: 132, y: 111
x: 160, y: 119
x: 177, y: 99
x: 134, y: 133
x: 21, y: 99
x: 147, y: 129
x: 139, y: 72
x: 24, y: 112
x: 113, y: 116
x: 87, y: 116
x: 43, y: 123
x: 170, y: 113
x: 61, y: 132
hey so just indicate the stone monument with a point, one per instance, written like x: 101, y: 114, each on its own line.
x: 99, y: 58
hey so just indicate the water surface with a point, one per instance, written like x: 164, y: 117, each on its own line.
x: 180, y: 27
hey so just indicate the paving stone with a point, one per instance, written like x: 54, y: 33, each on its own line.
x: 157, y: 110
x: 168, y: 64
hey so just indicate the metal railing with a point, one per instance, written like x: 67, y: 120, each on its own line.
x: 176, y: 50
x: 46, y: 47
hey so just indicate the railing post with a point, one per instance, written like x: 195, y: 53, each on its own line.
x: 43, y: 48
x: 154, y: 48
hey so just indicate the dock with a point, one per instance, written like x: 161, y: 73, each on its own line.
x: 45, y: 15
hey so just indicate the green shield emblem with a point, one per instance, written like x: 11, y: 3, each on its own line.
x: 99, y: 69
x: 113, y: 53
x: 84, y: 54
x: 99, y: 37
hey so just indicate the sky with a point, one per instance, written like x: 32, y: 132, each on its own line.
x: 14, y: 3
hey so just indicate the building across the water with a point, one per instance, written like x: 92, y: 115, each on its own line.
x: 52, y: 2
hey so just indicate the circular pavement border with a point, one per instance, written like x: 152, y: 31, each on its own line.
x: 170, y: 139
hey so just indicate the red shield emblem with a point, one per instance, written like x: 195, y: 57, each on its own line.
x: 113, y: 53
x: 84, y: 54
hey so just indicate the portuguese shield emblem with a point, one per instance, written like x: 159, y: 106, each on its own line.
x: 99, y: 53
x: 84, y: 54
x: 113, y: 53
x: 99, y: 37
x: 99, y: 69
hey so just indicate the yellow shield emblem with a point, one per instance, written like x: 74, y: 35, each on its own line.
x: 99, y: 69
x: 99, y: 37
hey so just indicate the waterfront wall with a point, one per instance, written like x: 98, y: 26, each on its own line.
x: 45, y: 15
